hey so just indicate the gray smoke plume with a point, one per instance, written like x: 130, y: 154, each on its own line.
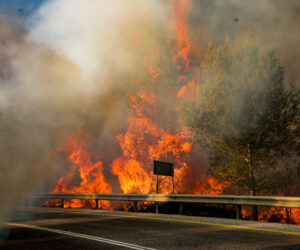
x: 273, y: 23
x: 68, y: 68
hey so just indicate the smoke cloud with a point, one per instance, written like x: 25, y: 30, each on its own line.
x: 69, y: 68
x: 273, y: 23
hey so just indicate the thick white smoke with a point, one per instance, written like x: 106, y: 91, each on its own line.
x: 97, y: 35
x: 71, y: 68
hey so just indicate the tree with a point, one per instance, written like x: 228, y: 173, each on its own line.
x: 243, y: 116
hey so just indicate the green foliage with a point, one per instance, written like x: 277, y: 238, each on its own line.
x: 244, y: 117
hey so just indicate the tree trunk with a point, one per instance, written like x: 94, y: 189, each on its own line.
x: 288, y: 212
x: 252, y: 190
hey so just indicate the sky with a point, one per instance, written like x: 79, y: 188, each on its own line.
x: 19, y: 7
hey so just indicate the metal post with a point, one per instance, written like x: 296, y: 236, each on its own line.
x: 238, y: 210
x: 157, y: 184
x: 156, y: 204
x: 97, y: 204
x: 135, y: 208
x: 172, y: 184
x: 254, y: 213
x: 181, y: 207
x: 62, y: 203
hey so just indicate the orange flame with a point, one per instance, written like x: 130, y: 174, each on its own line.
x: 147, y: 138
x: 183, y: 47
x: 184, y: 51
x: 144, y: 142
x: 92, y: 179
x: 209, y: 185
x: 274, y: 214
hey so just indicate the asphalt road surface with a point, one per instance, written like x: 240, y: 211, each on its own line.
x: 52, y: 228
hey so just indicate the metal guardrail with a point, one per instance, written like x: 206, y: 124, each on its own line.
x: 268, y: 201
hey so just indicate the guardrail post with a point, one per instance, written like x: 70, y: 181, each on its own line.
x: 156, y: 208
x: 135, y: 208
x: 181, y: 207
x: 238, y: 209
x: 96, y: 204
x: 62, y: 204
x: 255, y: 213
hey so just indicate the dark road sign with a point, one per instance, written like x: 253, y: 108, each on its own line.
x: 163, y: 168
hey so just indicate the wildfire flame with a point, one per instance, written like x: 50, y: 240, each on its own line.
x: 92, y: 179
x: 275, y: 214
x: 146, y: 138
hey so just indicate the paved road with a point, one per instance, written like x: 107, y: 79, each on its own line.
x: 44, y: 228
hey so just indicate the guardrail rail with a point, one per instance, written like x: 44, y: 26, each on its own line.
x: 237, y: 200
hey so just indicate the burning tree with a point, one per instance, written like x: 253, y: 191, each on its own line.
x: 153, y: 130
x: 244, y: 117
x: 233, y: 98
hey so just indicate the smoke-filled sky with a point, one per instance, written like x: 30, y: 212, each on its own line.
x: 274, y: 22
x: 20, y: 7
x: 69, y: 64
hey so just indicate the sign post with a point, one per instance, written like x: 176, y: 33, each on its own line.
x: 157, y: 183
x: 166, y: 169
x: 163, y: 168
x: 173, y: 184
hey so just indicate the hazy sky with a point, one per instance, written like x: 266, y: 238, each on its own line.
x: 19, y: 7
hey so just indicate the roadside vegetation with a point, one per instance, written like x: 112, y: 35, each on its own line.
x: 247, y: 119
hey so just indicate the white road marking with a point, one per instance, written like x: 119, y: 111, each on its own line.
x: 85, y: 236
